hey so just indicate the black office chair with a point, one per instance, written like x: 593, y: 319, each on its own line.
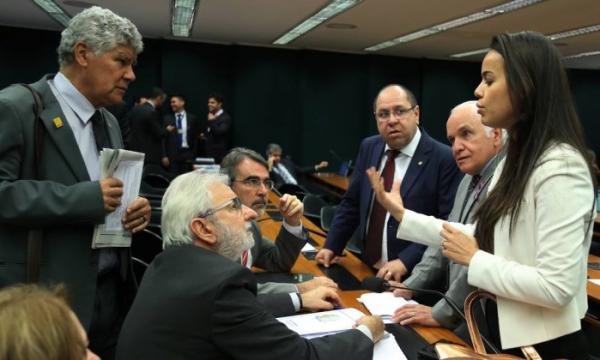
x: 312, y: 207
x: 292, y: 190
x: 327, y: 214
x: 139, y: 268
x: 145, y: 245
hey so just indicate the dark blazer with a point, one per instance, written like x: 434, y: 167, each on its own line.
x: 194, y: 303
x: 193, y: 130
x: 218, y: 137
x: 279, y: 256
x: 293, y: 169
x: 147, y: 133
x: 428, y: 187
x: 64, y: 203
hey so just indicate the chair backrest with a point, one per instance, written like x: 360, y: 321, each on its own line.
x: 313, y: 205
x: 145, y: 245
x: 327, y: 213
x: 156, y: 180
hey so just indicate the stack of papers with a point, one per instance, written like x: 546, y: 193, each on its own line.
x: 126, y: 166
x: 331, y: 322
x: 322, y: 323
x: 595, y: 281
x: 383, y: 304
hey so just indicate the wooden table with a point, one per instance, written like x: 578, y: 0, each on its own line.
x: 331, y: 182
x: 592, y: 289
x: 270, y: 229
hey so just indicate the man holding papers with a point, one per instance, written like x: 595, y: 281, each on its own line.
x: 50, y: 174
x: 196, y: 300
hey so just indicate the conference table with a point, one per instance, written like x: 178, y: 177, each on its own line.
x: 331, y: 182
x: 270, y: 228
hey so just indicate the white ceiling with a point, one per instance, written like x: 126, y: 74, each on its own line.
x: 260, y: 22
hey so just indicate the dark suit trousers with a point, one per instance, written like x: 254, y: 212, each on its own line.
x: 109, y: 314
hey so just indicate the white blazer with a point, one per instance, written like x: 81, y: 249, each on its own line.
x: 538, y: 272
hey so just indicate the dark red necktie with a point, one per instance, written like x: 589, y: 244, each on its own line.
x: 378, y: 212
x: 245, y: 258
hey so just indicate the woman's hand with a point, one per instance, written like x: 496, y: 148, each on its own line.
x: 391, y: 201
x: 457, y: 246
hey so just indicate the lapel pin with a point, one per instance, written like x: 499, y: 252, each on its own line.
x: 58, y: 123
x: 420, y: 163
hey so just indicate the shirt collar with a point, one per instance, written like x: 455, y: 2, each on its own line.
x: 411, y: 147
x: 219, y: 112
x: 80, y: 105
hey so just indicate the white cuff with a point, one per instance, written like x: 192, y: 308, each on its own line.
x: 365, y: 330
x: 294, y: 230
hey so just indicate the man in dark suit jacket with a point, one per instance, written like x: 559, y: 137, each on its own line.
x: 196, y: 301
x: 148, y: 131
x: 217, y: 135
x: 249, y: 177
x: 284, y: 171
x: 181, y: 145
x: 429, y: 180
x: 61, y: 193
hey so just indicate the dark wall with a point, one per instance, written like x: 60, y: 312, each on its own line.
x: 312, y: 103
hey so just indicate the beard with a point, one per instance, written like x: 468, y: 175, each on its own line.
x: 233, y: 243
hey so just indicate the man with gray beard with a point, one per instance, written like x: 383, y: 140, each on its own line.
x: 196, y: 300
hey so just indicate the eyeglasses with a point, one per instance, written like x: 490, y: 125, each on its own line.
x: 235, y: 203
x: 384, y: 115
x: 255, y: 182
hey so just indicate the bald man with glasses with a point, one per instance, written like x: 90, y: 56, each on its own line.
x: 249, y: 176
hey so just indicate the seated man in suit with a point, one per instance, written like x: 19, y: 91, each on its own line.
x: 475, y: 148
x: 249, y: 177
x: 404, y: 152
x: 181, y: 145
x: 197, y: 301
x: 284, y: 171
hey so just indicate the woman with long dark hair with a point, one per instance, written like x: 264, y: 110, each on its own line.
x: 533, y: 232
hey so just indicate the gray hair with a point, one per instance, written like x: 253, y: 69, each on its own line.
x: 235, y: 156
x: 472, y: 105
x: 185, y: 198
x: 271, y: 148
x: 101, y: 30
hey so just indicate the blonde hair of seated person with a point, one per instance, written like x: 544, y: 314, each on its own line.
x: 36, y: 323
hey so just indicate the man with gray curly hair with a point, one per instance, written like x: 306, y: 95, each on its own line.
x: 51, y: 133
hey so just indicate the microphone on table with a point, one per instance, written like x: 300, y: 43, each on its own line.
x: 375, y: 284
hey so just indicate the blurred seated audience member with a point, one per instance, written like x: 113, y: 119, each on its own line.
x: 37, y: 324
x: 284, y: 171
x: 196, y: 300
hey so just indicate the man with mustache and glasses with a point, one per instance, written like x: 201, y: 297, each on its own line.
x: 249, y: 176
x: 401, y: 151
x: 197, y: 301
x: 50, y: 174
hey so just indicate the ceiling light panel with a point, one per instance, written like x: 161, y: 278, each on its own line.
x: 183, y: 17
x: 478, y: 16
x: 52, y: 9
x: 334, y: 8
